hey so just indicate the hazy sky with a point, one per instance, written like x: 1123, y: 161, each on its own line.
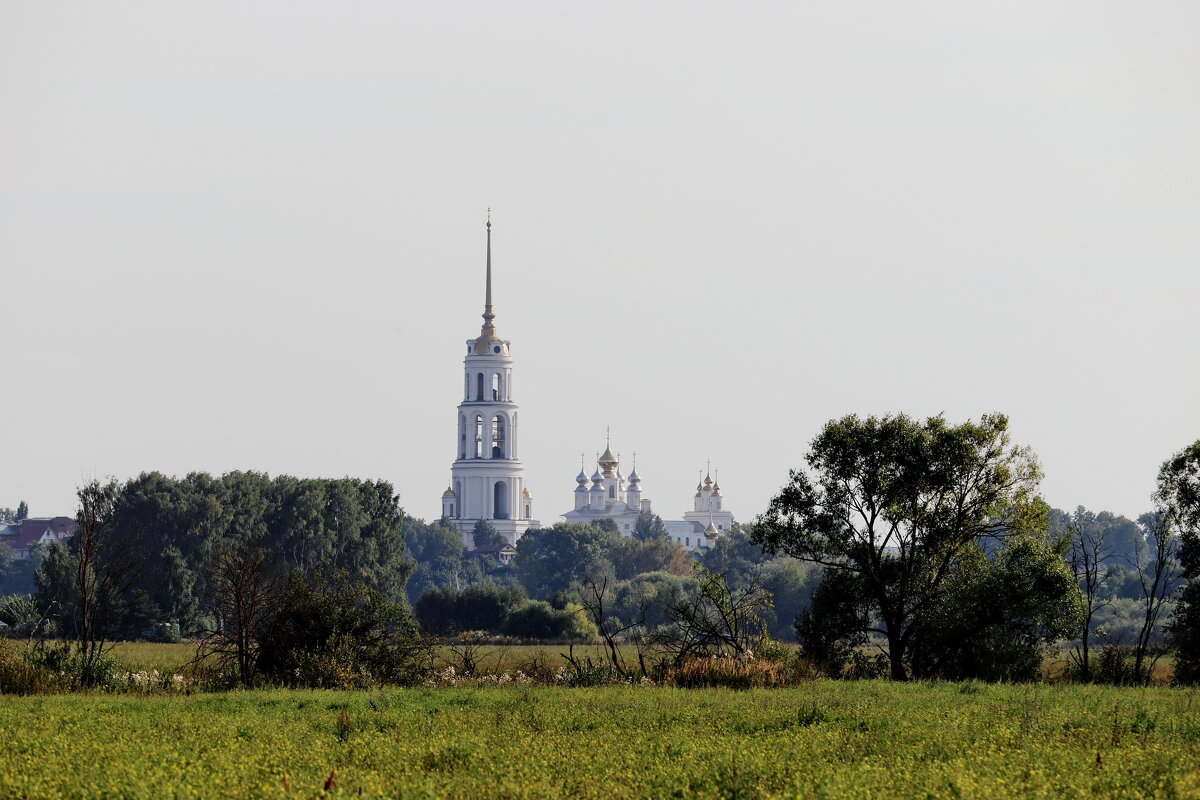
x: 250, y: 235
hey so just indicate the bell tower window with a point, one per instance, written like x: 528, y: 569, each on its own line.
x: 479, y: 386
x: 498, y: 438
x: 478, y: 436
x: 495, y: 386
x: 500, y: 500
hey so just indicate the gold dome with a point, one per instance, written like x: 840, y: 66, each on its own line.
x: 607, y: 459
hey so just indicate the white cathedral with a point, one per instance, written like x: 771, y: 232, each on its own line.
x: 487, y: 478
x: 609, y: 498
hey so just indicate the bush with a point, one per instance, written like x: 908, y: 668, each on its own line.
x: 37, y: 669
x: 331, y: 631
x: 536, y: 619
x: 446, y: 611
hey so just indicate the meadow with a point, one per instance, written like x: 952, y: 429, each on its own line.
x: 824, y: 739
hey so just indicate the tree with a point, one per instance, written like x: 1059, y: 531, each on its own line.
x: 242, y: 598
x: 333, y: 630
x: 7, y: 561
x: 537, y: 619
x: 595, y: 602
x: 894, y: 502
x: 484, y: 535
x: 22, y: 512
x: 715, y: 618
x: 1090, y: 553
x: 643, y: 597
x: 22, y: 616
x: 1157, y: 568
x: 635, y: 556
x: 85, y: 584
x: 649, y: 526
x: 834, y: 626
x: 439, y: 557
x: 1178, y: 499
x: 448, y: 611
x: 735, y: 554
x: 549, y: 560
x: 791, y: 584
x: 105, y: 566
x: 999, y: 613
x: 57, y: 595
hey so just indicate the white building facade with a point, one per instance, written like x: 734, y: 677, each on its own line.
x: 609, y: 495
x: 487, y: 478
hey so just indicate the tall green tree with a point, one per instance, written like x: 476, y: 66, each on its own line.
x: 1090, y: 557
x: 1177, y: 497
x: 649, y: 526
x: 999, y: 613
x: 22, y: 511
x: 549, y: 560
x: 894, y: 502
x: 735, y: 555
x: 439, y: 557
x: 484, y: 535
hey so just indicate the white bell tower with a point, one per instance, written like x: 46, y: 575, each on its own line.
x: 487, y: 479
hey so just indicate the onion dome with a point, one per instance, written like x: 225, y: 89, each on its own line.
x: 528, y: 495
x: 581, y: 478
x: 448, y: 493
x: 634, y: 477
x: 716, y: 488
x: 711, y: 531
x: 708, y: 481
x: 597, y: 478
x: 607, y: 461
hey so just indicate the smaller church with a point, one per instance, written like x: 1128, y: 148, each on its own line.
x: 611, y: 495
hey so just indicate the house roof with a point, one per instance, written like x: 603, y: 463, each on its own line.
x: 493, y: 549
x: 20, y: 535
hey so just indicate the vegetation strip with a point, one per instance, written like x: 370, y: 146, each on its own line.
x: 830, y: 738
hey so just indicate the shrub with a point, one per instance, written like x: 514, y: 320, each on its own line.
x: 446, y: 611
x: 332, y: 631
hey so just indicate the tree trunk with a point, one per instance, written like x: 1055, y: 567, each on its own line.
x: 896, y: 655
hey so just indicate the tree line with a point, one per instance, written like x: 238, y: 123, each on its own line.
x: 166, y: 536
x: 903, y: 547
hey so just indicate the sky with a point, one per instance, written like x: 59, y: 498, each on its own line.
x: 250, y: 236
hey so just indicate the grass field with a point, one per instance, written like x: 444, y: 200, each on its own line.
x: 827, y: 739
x: 495, y: 658
x: 498, y: 658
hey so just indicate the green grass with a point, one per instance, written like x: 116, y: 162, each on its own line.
x: 827, y: 739
x: 494, y: 658
x: 153, y: 655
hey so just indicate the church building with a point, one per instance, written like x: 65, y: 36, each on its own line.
x: 608, y: 497
x: 487, y: 478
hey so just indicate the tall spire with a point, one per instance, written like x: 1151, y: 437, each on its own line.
x: 489, y: 330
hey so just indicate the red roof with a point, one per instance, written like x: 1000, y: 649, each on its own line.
x: 19, y: 535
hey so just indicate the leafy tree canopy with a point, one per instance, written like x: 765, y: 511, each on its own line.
x: 894, y: 502
x: 1177, y: 497
x: 549, y: 559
